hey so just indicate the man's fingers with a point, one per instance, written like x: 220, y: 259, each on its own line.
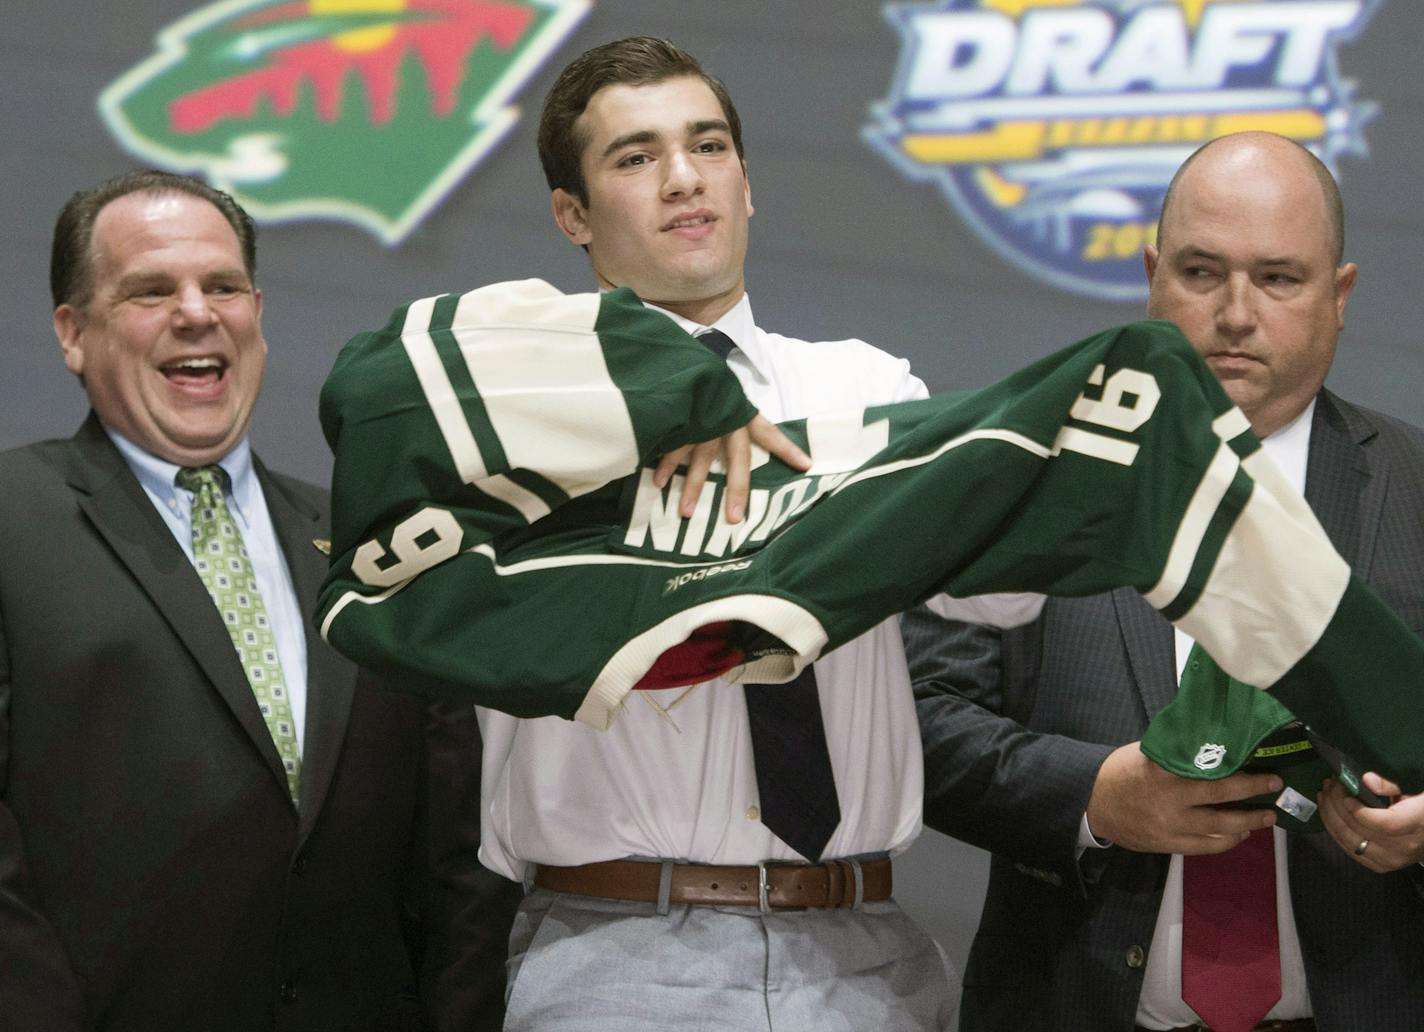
x: 1237, y: 787
x: 1379, y: 840
x: 1205, y: 845
x: 1335, y: 815
x: 698, y: 463
x: 766, y: 435
x: 737, y: 450
x: 1381, y: 785
x: 668, y: 464
x: 1221, y: 821
x: 1140, y: 806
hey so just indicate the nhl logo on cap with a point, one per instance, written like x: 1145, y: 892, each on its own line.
x: 1209, y: 756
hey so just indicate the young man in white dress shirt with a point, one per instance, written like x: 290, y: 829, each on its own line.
x: 643, y: 154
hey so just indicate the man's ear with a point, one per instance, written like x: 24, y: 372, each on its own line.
x: 67, y: 324
x: 1149, y: 262
x: 1344, y: 283
x: 572, y: 217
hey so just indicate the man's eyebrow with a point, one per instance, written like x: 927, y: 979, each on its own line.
x: 708, y: 125
x: 642, y: 136
x: 631, y: 139
x: 148, y: 277
x: 1197, y: 254
x: 1202, y: 254
x: 141, y: 278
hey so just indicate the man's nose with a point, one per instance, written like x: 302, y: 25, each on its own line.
x: 683, y: 176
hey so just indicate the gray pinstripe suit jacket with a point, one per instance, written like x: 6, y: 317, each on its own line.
x: 1016, y: 724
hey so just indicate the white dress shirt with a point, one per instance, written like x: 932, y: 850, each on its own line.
x: 672, y: 777
x: 1161, y: 1006
x: 249, y: 509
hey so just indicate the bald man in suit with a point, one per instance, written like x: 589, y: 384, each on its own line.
x: 1031, y: 736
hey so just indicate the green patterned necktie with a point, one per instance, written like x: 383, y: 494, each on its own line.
x: 221, y: 560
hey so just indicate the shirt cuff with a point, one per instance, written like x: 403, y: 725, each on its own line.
x: 1086, y: 839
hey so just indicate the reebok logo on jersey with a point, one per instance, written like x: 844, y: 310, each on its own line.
x: 673, y: 583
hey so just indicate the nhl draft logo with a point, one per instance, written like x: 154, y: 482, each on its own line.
x: 368, y: 111
x: 1054, y: 126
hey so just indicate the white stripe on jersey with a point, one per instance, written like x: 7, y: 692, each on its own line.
x: 439, y: 394
x: 528, y: 504
x: 1249, y: 591
x: 585, y: 439
x: 450, y: 416
x: 1193, y: 526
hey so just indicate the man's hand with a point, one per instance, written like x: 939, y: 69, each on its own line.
x: 1393, y: 836
x: 1139, y: 806
x: 735, y: 451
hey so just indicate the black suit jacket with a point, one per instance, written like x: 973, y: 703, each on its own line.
x: 154, y: 874
x: 1016, y: 725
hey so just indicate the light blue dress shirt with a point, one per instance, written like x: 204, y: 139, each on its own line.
x: 248, y: 507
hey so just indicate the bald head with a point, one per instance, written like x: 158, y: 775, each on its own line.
x: 1247, y: 264
x: 1265, y: 154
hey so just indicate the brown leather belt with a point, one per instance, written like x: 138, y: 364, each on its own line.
x: 768, y: 886
x: 1291, y: 1025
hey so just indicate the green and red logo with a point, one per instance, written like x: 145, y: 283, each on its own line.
x: 367, y: 111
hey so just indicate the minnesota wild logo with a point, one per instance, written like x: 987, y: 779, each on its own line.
x: 367, y: 111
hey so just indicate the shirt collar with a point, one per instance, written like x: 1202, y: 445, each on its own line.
x: 737, y: 323
x: 1289, y: 447
x: 157, y: 474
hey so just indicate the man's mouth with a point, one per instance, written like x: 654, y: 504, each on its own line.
x: 194, y: 372
x: 691, y: 221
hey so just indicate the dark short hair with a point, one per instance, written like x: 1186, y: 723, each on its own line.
x: 1329, y: 191
x: 636, y: 61
x: 71, y: 272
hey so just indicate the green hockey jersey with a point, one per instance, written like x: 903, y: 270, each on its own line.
x: 496, y: 532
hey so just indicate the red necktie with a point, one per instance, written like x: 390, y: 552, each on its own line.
x: 1231, y: 961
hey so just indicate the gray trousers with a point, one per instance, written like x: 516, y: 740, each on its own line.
x: 578, y: 963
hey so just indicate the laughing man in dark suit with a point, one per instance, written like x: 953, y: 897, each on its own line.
x: 189, y: 840
x: 1031, y: 736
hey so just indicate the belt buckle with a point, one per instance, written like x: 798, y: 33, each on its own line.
x: 763, y: 904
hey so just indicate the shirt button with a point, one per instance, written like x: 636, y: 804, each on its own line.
x: 288, y: 992
x: 753, y: 813
x: 1134, y: 957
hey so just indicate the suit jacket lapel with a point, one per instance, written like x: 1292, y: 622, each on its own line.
x: 115, y: 503
x: 1151, y: 650
x: 331, y: 679
x: 1344, y: 490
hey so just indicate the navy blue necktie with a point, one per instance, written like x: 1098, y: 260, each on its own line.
x: 717, y: 342
x: 793, y: 765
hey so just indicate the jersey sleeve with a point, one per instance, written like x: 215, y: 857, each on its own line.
x: 467, y: 417
x: 509, y: 401
x: 1115, y: 462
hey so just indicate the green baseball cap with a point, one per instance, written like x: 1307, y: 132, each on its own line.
x: 1217, y: 726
